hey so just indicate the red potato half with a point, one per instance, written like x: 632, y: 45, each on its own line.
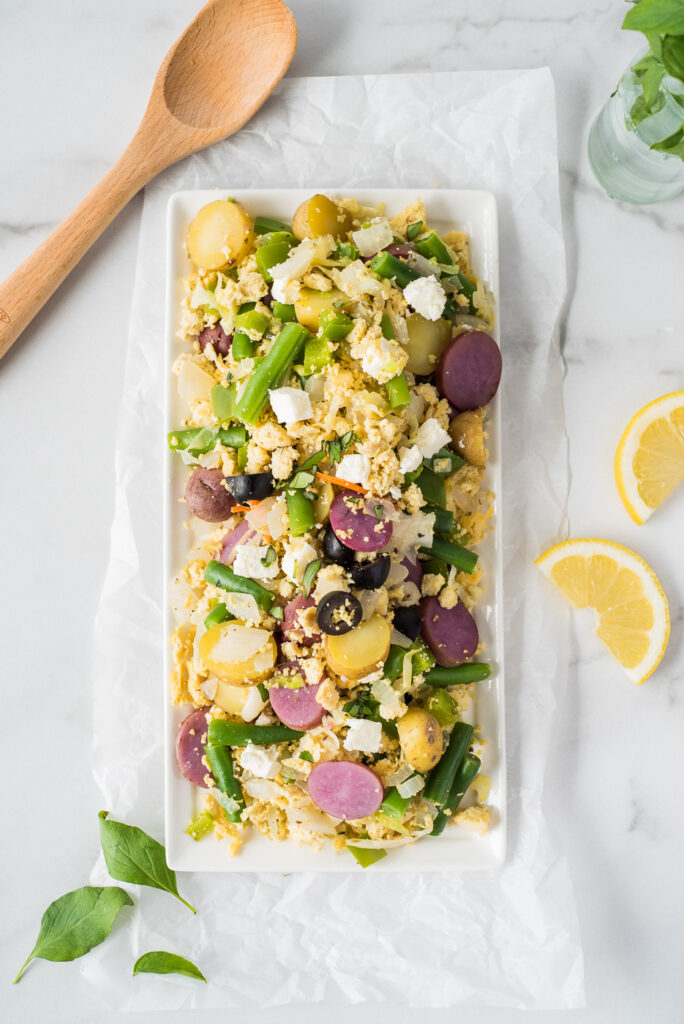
x: 356, y: 524
x: 345, y: 789
x: 190, y: 748
x: 292, y: 627
x: 450, y: 633
x: 469, y: 370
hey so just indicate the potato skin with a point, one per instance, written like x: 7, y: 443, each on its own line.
x: 421, y: 739
x: 467, y: 433
x: 320, y: 216
x: 219, y: 228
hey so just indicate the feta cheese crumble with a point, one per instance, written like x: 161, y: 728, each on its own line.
x: 430, y: 437
x: 363, y: 735
x: 354, y: 468
x: 248, y: 562
x: 297, y: 556
x: 409, y: 459
x: 290, y: 405
x: 427, y: 297
x: 262, y: 762
x: 383, y: 360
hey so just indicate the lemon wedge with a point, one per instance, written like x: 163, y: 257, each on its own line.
x: 649, y: 461
x: 632, y: 615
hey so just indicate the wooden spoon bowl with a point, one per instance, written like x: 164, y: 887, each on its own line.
x: 212, y: 80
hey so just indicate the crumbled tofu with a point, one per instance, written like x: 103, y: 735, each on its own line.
x: 431, y: 584
x: 248, y: 562
x: 356, y: 282
x: 431, y: 437
x: 375, y: 237
x: 282, y: 463
x: 363, y: 735
x: 476, y: 819
x: 409, y: 459
x: 427, y: 297
x: 354, y: 468
x: 262, y: 762
x: 297, y: 556
x: 290, y: 405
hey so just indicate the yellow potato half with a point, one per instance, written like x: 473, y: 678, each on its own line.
x: 361, y: 650
x: 237, y: 653
x: 320, y: 216
x: 220, y: 235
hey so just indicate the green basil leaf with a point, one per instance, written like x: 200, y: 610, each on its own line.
x: 306, y: 756
x: 76, y: 923
x: 133, y: 856
x: 650, y: 83
x: 660, y: 16
x: 309, y: 575
x: 673, y: 56
x: 161, y: 962
x: 278, y: 613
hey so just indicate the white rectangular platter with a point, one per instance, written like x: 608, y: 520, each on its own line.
x: 456, y: 849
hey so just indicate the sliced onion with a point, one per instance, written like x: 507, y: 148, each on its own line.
x: 253, y: 706
x: 399, y: 327
x: 240, y: 534
x: 277, y: 521
x: 315, y: 388
x: 421, y: 265
x: 258, y: 516
x: 401, y: 775
x: 369, y: 602
x: 399, y: 639
x: 239, y: 643
x: 209, y: 687
x: 194, y: 383
x: 468, y: 320
x: 411, y: 786
x: 397, y: 574
x: 261, y: 789
x: 243, y: 606
x: 411, y: 594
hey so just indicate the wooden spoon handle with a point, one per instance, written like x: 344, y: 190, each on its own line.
x: 29, y: 287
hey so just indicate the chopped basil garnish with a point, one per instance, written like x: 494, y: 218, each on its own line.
x: 309, y: 575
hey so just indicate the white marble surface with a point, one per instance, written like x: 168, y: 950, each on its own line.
x: 73, y: 80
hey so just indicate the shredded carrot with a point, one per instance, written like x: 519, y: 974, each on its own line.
x: 341, y: 483
x: 245, y: 508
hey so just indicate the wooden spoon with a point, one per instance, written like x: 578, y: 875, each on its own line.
x: 220, y: 71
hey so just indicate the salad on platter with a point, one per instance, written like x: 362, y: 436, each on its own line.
x: 336, y: 373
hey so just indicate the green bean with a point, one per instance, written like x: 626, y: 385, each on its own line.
x: 334, y: 325
x: 217, y: 615
x: 221, y: 764
x: 444, y: 462
x: 223, y: 401
x: 317, y: 355
x: 264, y: 225
x: 413, y: 230
x: 300, y: 512
x: 267, y: 374
x: 251, y: 321
x: 398, y: 392
x: 444, y: 520
x: 198, y: 440
x: 470, y: 672
x: 441, y: 778
x: 222, y: 576
x: 239, y: 734
x: 270, y: 255
x: 394, y: 805
x: 468, y: 769
x: 387, y: 265
x: 432, y: 487
x: 200, y: 826
x: 394, y: 662
x: 283, y: 311
x: 386, y: 327
x: 454, y: 554
x: 432, y: 247
x: 436, y: 567
x: 243, y: 347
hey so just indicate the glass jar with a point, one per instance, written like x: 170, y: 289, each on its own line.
x: 619, y: 149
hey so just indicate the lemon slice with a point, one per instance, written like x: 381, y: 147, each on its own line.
x: 632, y: 616
x: 649, y: 461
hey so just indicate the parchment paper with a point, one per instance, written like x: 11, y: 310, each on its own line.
x: 507, y: 938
